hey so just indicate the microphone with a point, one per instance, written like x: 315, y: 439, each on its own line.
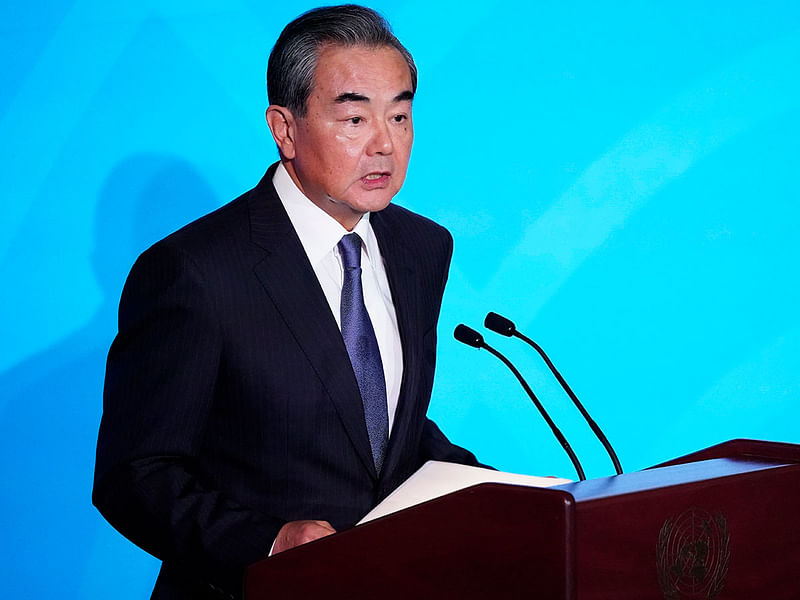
x: 503, y: 326
x: 470, y: 337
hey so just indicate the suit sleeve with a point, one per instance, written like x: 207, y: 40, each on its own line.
x: 160, y: 381
x: 435, y: 445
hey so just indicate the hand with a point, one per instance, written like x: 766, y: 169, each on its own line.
x: 295, y: 533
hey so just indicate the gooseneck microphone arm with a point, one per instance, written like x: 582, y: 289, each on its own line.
x: 503, y: 326
x: 470, y: 337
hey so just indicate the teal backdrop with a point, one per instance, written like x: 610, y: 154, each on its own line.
x: 620, y: 179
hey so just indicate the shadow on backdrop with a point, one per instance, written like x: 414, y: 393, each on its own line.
x: 52, y: 402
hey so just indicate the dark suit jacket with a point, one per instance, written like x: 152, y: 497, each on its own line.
x: 230, y: 404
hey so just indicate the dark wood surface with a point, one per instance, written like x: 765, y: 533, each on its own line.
x: 742, y: 448
x: 655, y: 479
x: 720, y: 523
x: 617, y: 543
x: 490, y: 540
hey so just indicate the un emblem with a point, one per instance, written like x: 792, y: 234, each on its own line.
x: 693, y: 555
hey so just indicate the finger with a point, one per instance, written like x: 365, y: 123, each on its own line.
x: 327, y: 526
x: 314, y: 532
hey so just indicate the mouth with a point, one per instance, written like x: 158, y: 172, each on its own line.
x: 375, y: 180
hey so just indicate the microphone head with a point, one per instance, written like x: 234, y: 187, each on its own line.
x: 499, y: 324
x: 467, y: 335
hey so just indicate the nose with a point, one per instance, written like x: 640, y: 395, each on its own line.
x: 381, y: 140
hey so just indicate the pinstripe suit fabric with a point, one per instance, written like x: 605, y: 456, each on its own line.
x: 230, y: 405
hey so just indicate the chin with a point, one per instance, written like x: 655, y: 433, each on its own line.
x: 371, y: 204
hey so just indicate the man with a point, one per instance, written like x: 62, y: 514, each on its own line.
x: 263, y: 390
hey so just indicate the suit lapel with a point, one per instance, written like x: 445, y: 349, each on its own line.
x: 289, y: 280
x: 400, y: 271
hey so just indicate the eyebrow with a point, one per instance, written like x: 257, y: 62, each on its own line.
x: 403, y: 96
x: 350, y: 97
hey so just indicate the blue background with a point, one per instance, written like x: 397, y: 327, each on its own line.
x: 620, y: 179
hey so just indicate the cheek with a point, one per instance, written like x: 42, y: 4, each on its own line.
x: 403, y: 149
x: 406, y: 139
x: 346, y: 145
x: 353, y: 152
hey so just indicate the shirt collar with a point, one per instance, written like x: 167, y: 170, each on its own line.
x: 319, y: 232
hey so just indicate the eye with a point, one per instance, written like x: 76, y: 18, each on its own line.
x: 399, y: 118
x: 355, y: 120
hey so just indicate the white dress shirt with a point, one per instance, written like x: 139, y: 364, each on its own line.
x: 319, y: 234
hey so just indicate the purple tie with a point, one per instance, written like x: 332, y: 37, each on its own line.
x: 362, y: 347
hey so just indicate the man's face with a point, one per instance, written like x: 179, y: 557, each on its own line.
x: 351, y: 150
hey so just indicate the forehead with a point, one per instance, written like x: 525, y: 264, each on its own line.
x: 361, y: 69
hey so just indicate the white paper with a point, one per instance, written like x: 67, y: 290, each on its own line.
x: 436, y: 478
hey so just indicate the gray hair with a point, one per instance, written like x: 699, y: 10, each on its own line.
x: 293, y: 60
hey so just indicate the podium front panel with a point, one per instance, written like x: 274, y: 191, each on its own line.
x: 735, y: 536
x: 487, y: 541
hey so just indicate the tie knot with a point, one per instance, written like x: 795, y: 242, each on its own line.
x: 350, y: 249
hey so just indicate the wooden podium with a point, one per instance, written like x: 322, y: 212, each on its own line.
x: 720, y: 523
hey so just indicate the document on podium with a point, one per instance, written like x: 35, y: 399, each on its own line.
x: 436, y: 478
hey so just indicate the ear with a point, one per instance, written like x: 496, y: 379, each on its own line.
x: 283, y: 126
